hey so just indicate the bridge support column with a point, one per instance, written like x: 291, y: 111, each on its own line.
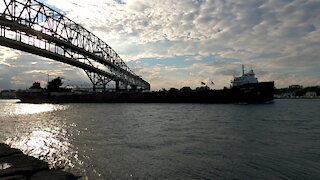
x: 133, y: 87
x: 117, y: 85
x: 104, y: 87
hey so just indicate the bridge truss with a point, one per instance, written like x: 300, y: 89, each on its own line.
x: 33, y: 27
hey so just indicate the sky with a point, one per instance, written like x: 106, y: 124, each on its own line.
x: 176, y: 43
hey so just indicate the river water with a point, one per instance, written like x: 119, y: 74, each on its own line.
x: 170, y: 141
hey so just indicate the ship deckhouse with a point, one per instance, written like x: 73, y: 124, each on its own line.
x: 246, y: 78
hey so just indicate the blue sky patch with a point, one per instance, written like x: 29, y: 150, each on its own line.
x: 311, y: 28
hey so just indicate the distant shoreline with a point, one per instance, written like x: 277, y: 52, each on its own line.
x: 297, y: 98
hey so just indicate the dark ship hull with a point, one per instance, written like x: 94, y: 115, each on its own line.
x: 249, y: 93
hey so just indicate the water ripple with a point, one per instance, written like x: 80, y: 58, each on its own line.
x: 171, y: 141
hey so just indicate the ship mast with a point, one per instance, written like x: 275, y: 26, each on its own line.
x: 242, y: 70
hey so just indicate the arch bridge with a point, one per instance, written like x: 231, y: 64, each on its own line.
x: 31, y: 26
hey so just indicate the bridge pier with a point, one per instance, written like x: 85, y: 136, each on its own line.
x: 117, y: 85
x: 133, y: 87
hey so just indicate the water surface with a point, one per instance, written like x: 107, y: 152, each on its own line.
x: 170, y: 141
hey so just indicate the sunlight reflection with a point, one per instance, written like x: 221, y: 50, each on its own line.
x: 38, y: 132
x: 51, y: 145
x: 19, y: 109
x: 34, y: 108
x: 4, y: 166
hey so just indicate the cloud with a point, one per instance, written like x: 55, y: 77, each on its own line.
x: 206, y: 26
x: 19, y: 70
x: 279, y: 39
x: 194, y: 58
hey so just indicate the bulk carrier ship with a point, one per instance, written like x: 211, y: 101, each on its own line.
x: 244, y: 89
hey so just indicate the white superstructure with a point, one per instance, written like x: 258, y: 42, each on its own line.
x: 246, y: 78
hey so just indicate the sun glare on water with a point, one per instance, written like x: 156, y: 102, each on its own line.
x: 51, y: 145
x: 34, y: 108
x: 21, y: 108
x: 36, y: 131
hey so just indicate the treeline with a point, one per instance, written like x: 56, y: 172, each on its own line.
x: 298, y: 90
x: 185, y: 89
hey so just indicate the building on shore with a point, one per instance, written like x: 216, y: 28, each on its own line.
x: 311, y: 94
x: 8, y: 94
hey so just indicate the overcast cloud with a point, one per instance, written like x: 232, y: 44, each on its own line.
x: 181, y: 43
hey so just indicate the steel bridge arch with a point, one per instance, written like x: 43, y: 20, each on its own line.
x: 31, y: 26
